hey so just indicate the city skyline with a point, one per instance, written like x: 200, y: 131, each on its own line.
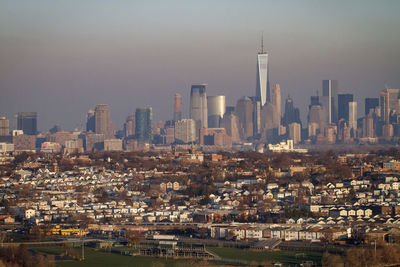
x: 61, y: 60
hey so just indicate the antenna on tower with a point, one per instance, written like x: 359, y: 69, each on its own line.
x: 262, y: 42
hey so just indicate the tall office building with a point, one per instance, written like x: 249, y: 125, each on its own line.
x: 244, y: 111
x: 368, y: 126
x: 216, y: 109
x: 276, y: 101
x: 198, y: 106
x: 231, y: 124
x: 129, y: 127
x: 343, y: 106
x: 185, y: 131
x: 295, y: 132
x: 90, y: 121
x: 4, y: 126
x: 103, y: 123
x: 353, y: 116
x: 177, y: 107
x: 316, y: 114
x: 144, y: 125
x: 384, y: 105
x: 371, y: 104
x: 292, y: 114
x: 329, y: 99
x: 256, y: 118
x: 314, y: 99
x: 389, y: 101
x: 27, y: 122
x: 262, y: 87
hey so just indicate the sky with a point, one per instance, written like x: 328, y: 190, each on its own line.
x: 62, y: 57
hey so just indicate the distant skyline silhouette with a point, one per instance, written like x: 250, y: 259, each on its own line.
x: 61, y: 58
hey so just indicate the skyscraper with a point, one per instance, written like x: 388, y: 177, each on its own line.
x: 4, y: 126
x: 353, y: 116
x: 292, y: 114
x: 389, y: 100
x: 185, y: 131
x: 103, y: 123
x: 276, y: 101
x: 262, y: 87
x: 177, y: 107
x: 343, y: 106
x: 216, y: 109
x: 371, y: 103
x: 90, y: 121
x: 129, y: 127
x: 368, y: 126
x: 27, y: 122
x: 198, y: 106
x: 244, y: 111
x: 256, y: 118
x: 231, y: 124
x: 316, y: 114
x: 144, y: 125
x: 329, y: 97
x: 295, y: 132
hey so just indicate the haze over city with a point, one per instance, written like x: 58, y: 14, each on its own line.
x: 62, y: 58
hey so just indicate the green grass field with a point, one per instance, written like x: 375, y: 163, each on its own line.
x: 286, y: 257
x: 100, y: 258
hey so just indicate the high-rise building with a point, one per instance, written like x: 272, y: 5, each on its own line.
x: 27, y: 122
x: 343, y: 106
x: 4, y: 126
x: 262, y: 87
x: 90, y: 121
x: 129, y: 127
x: 198, y: 106
x: 231, y: 124
x: 256, y: 118
x: 185, y: 131
x: 216, y: 109
x: 371, y: 104
x: 316, y: 114
x: 94, y: 142
x: 276, y: 101
x: 244, y: 111
x: 368, y: 126
x: 329, y: 97
x: 292, y: 114
x: 353, y: 116
x: 216, y: 137
x: 177, y: 107
x: 295, y: 132
x: 389, y: 101
x: 144, y: 125
x: 387, y: 131
x: 314, y: 99
x: 103, y: 123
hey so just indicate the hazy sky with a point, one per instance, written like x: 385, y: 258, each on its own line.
x: 61, y: 58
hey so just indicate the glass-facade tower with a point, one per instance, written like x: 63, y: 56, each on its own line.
x: 144, y: 125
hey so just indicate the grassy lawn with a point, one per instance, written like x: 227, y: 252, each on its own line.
x: 51, y: 250
x: 287, y: 257
x: 99, y: 258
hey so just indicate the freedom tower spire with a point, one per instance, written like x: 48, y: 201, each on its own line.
x: 262, y: 89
